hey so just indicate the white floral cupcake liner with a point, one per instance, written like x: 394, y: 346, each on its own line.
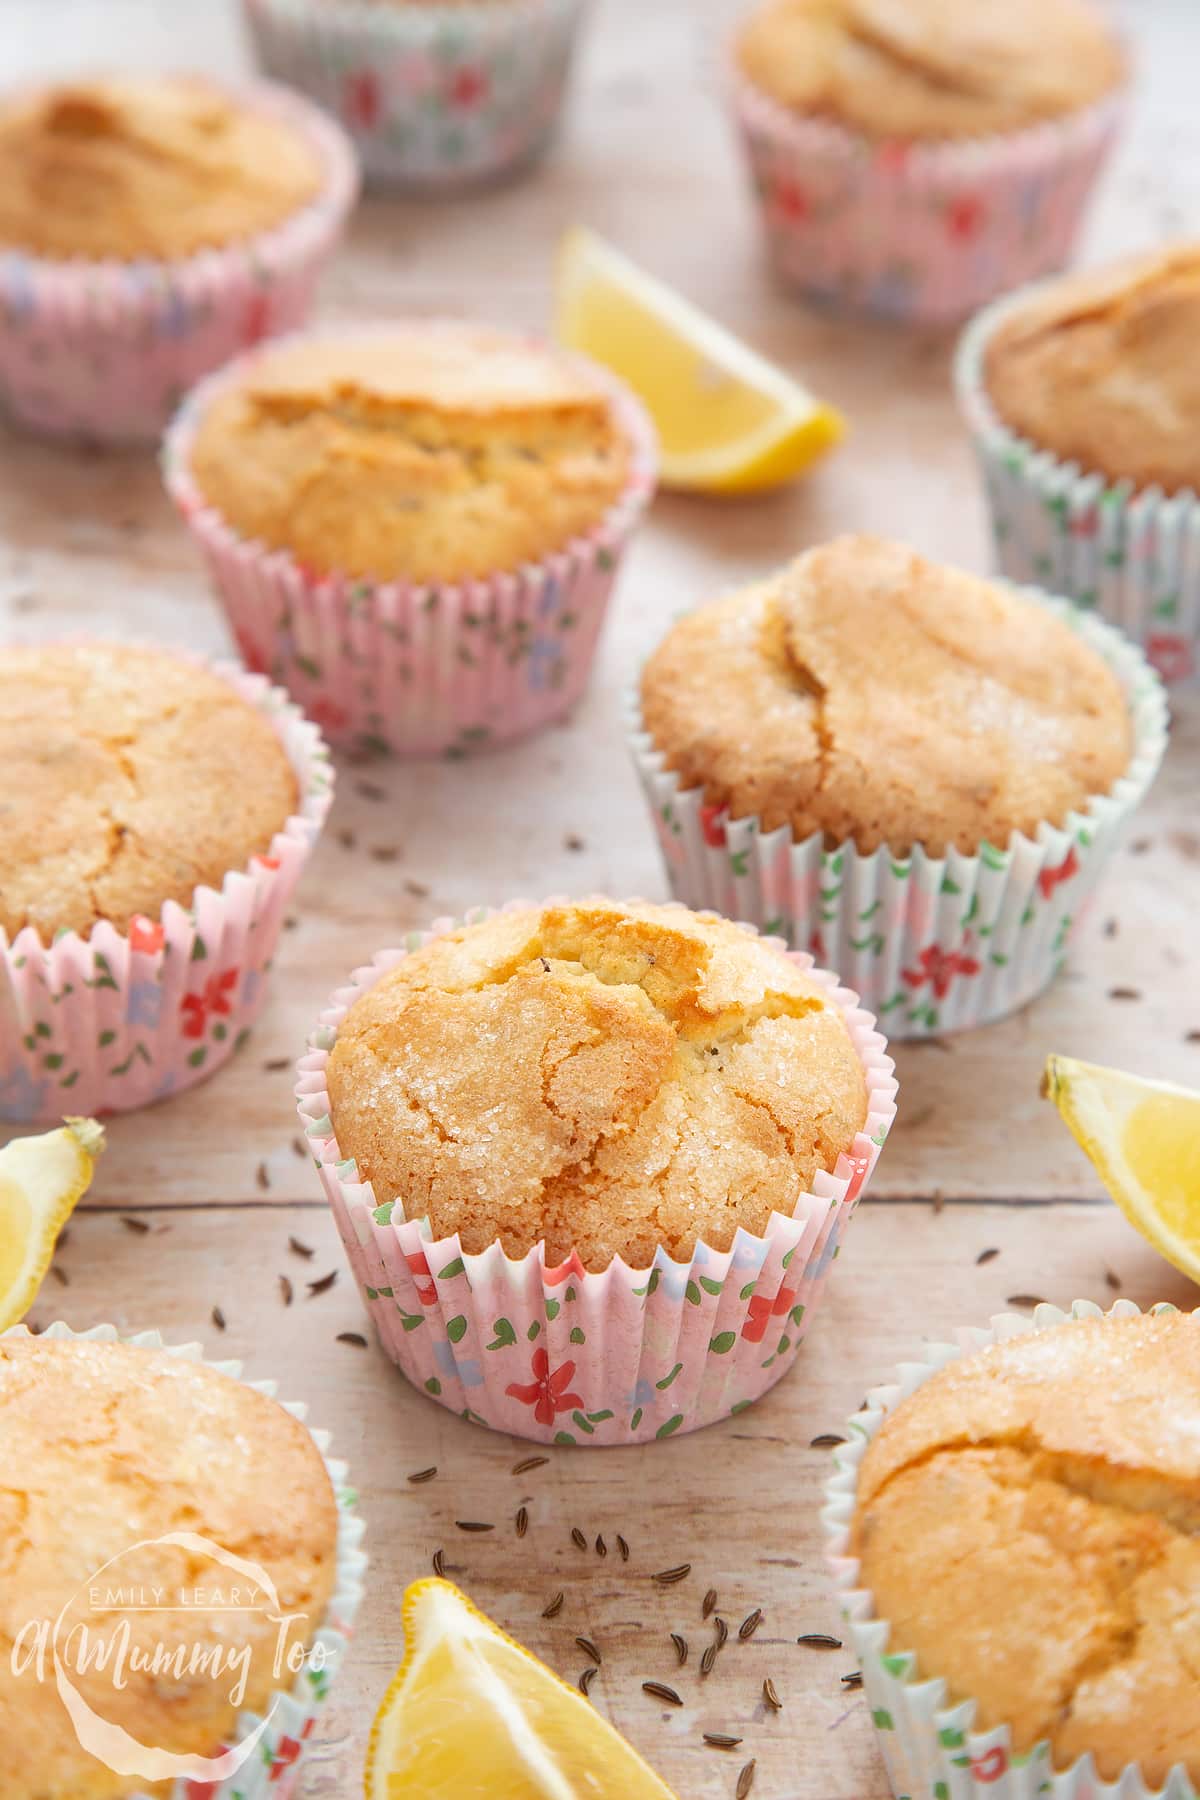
x: 564, y: 1356
x: 1132, y: 555
x: 432, y: 95
x: 930, y: 1746
x: 922, y: 233
x: 106, y: 350
x: 419, y: 670
x: 114, y: 1020
x: 931, y: 944
x: 275, y: 1766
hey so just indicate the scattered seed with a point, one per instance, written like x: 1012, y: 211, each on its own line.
x: 545, y: 965
x: 745, y: 1781
x: 417, y: 889
x: 750, y: 1625
x: 218, y: 1318
x: 589, y: 1650
x: 64, y: 1237
x: 585, y: 1681
x: 555, y: 1607
x: 136, y: 1225
x: 577, y: 1538
x: 473, y: 1525
x: 522, y: 1521
x: 721, y: 1740
x: 323, y: 1285
x: 623, y: 1547
x: 771, y: 1695
x: 370, y: 790
x: 1111, y: 928
x: 263, y: 1176
x: 274, y: 1064
x: 708, y: 1659
x: 439, y: 1562
x: 1192, y: 1037
x: 299, y: 1148
x: 60, y: 1275
x: 285, y: 1288
x: 985, y: 1256
x: 384, y: 853
x: 291, y: 922
x: 299, y: 1248
x: 668, y: 1577
x: 1113, y: 1280
x: 722, y: 1631
x: 1139, y: 846
x: 710, y: 1601
x: 1124, y: 993
x: 853, y: 1681
x: 826, y: 1441
x: 352, y: 1337
x: 681, y: 1647
x: 601, y: 1546
x: 530, y: 1462
x: 1024, y: 1300
x: 658, y: 1690
x: 819, y: 1640
x: 573, y: 842
x: 423, y: 1475
x: 347, y: 839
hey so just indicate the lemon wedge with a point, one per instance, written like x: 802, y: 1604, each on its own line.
x: 41, y: 1180
x: 728, y: 421
x: 1144, y: 1138
x: 471, y: 1715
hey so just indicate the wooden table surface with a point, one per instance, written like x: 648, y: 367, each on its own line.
x: 976, y: 1163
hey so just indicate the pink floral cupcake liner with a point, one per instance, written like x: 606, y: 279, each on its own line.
x: 106, y: 350
x: 419, y: 671
x: 432, y: 95
x: 1131, y: 554
x: 930, y: 1746
x: 564, y: 1356
x: 923, y: 233
x: 114, y: 1020
x: 274, y: 1768
x: 932, y: 944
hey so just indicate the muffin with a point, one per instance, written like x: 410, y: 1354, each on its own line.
x: 158, y: 814
x: 167, y: 1487
x: 436, y: 94
x: 150, y: 228
x: 1025, y: 1523
x: 892, y: 147
x: 1084, y: 404
x: 627, y: 1134
x: 912, y: 772
x: 415, y: 527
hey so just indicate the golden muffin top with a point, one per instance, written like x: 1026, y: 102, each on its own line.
x: 131, y: 777
x: 608, y: 1077
x: 928, y: 69
x: 108, y: 1448
x: 144, y: 167
x: 424, y: 453
x: 1102, y: 369
x: 868, y: 694
x: 1029, y: 1522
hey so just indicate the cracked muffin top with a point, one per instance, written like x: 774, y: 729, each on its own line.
x: 107, y: 1449
x: 608, y: 1077
x: 131, y: 777
x: 1029, y: 1523
x: 1101, y: 369
x: 425, y: 453
x: 871, y: 695
x: 929, y: 69
x: 144, y: 166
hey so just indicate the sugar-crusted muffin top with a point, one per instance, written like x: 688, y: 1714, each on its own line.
x: 1029, y: 1523
x: 928, y: 69
x: 425, y: 453
x: 144, y: 166
x: 608, y: 1077
x: 131, y: 777
x: 1101, y: 368
x: 108, y: 1448
x: 871, y: 695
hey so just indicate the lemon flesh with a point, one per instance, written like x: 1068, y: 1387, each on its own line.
x: 471, y: 1715
x: 728, y: 421
x: 41, y: 1181
x: 1144, y: 1139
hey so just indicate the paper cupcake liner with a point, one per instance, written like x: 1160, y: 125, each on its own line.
x: 931, y: 944
x: 1132, y: 555
x: 114, y: 1020
x: 425, y: 670
x: 275, y: 1766
x: 930, y: 1747
x: 106, y: 350
x: 565, y: 1356
x: 432, y: 95
x: 922, y: 233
